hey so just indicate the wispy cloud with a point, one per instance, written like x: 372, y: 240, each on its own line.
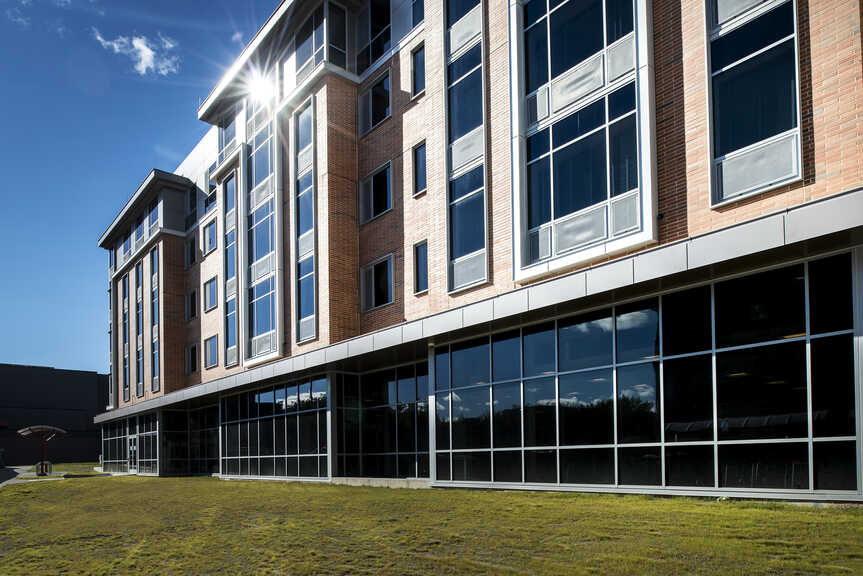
x: 237, y: 37
x: 167, y: 154
x: 63, y: 3
x: 148, y: 56
x: 17, y: 17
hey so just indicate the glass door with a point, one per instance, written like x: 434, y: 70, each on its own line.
x: 133, y: 454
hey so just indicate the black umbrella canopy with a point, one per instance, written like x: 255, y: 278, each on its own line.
x: 42, y: 432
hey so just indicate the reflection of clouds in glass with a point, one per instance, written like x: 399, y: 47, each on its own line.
x: 586, y: 400
x: 603, y: 325
x: 635, y: 319
x: 640, y: 392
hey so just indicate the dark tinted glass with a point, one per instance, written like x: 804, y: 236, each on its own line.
x: 689, y: 466
x: 468, y: 226
x: 309, y: 433
x: 760, y: 307
x: 507, y: 415
x: 579, y: 123
x: 539, y: 412
x: 835, y: 465
x: 638, y: 403
x: 266, y: 437
x: 618, y: 19
x: 421, y: 266
x: 381, y: 191
x: 591, y: 466
x: 576, y: 33
x: 291, y: 397
x: 752, y: 37
x: 441, y: 368
x: 761, y: 392
x: 686, y: 321
x: 306, y: 400
x: 830, y: 298
x: 279, y: 434
x: 539, y: 192
x: 539, y: 349
x: 464, y: 185
x: 407, y: 465
x: 419, y: 70
x: 688, y: 394
x: 537, y: 145
x: 540, y: 466
x: 407, y: 391
x: 533, y: 10
x: 470, y: 362
x: 586, y: 408
x: 422, y: 427
x: 833, y: 386
x: 465, y: 105
x: 764, y: 466
x: 637, y: 330
x: 470, y: 418
x: 455, y: 9
x: 442, y: 421
x: 639, y: 466
x: 506, y: 356
x: 585, y: 341
x: 579, y: 175
x: 380, y: 466
x: 291, y: 435
x: 420, y: 168
x: 623, y: 148
x: 621, y: 101
x: 442, y: 465
x: 407, y: 428
x: 381, y: 100
x: 755, y: 100
x: 379, y: 429
x: 535, y: 58
x: 382, y: 280
x: 471, y: 466
x: 507, y: 466
x: 465, y: 63
x: 304, y: 128
x: 379, y: 388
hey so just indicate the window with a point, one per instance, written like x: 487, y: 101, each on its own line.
x: 417, y: 12
x: 418, y: 70
x: 374, y: 104
x: 310, y: 43
x: 212, y: 186
x: 261, y: 232
x: 754, y: 90
x: 211, y: 351
x: 139, y: 230
x: 230, y: 187
x: 230, y: 255
x: 190, y: 252
x: 377, y: 283
x: 373, y: 34
x: 421, y: 265
x: 191, y: 305
x: 419, y: 168
x: 306, y: 287
x: 192, y: 208
x: 260, y: 157
x: 191, y: 359
x: 262, y: 307
x: 465, y: 93
x: 154, y: 367
x: 154, y: 213
x: 230, y: 323
x: 125, y: 305
x: 210, y: 294
x: 337, y: 31
x: 375, y: 197
x: 467, y: 214
x: 210, y: 237
x: 127, y: 245
x: 305, y: 203
x: 227, y: 132
x: 154, y: 288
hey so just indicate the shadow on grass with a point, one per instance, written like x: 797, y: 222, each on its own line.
x: 7, y: 474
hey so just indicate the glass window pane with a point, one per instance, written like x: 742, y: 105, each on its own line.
x: 688, y: 394
x: 419, y: 70
x: 407, y: 391
x: 470, y: 363
x: 381, y: 100
x: 579, y: 123
x: 833, y: 386
x: 589, y: 466
x: 537, y: 145
x: 585, y: 341
x: 442, y: 465
x: 507, y: 415
x: 506, y: 356
x: 576, y: 33
x: 305, y: 212
x: 638, y: 330
x: 379, y: 388
x: 760, y: 307
x: 830, y: 298
x: 618, y: 19
x: 421, y: 272
x: 535, y: 57
x: 539, y: 349
x: 579, y: 175
x: 623, y: 150
x: 467, y: 226
x: 686, y: 321
x: 539, y: 412
x: 689, y: 466
x: 407, y: 428
x: 307, y: 296
x: 465, y: 105
x: 755, y: 99
x: 441, y: 368
x: 465, y: 184
x: 507, y: 466
x: 456, y: 9
x: 639, y: 466
x: 442, y: 421
x: 835, y: 465
x: 761, y: 392
x: 471, y: 466
x: 419, y: 168
x: 752, y: 36
x: 783, y: 466
x: 586, y: 408
x: 470, y: 418
x: 379, y: 429
x: 464, y: 63
x: 539, y: 192
x: 637, y: 403
x: 540, y: 466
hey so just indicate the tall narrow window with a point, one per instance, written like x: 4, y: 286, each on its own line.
x: 230, y: 324
x: 261, y: 232
x: 306, y: 288
x: 227, y: 134
x: 310, y: 43
x: 211, y: 351
x: 191, y: 359
x: 418, y: 70
x: 305, y: 224
x: 210, y: 237
x: 421, y: 272
x: 373, y: 33
x: 417, y: 12
x: 154, y: 367
x: 212, y: 186
x: 230, y: 187
x: 210, y: 295
x: 126, y: 382
x: 154, y: 320
x: 420, y: 168
x: 377, y: 283
x: 375, y: 194
x: 753, y: 63
x: 337, y: 29
x: 139, y: 329
x: 262, y: 308
x: 260, y: 161
x: 374, y: 104
x: 191, y: 305
x: 153, y: 219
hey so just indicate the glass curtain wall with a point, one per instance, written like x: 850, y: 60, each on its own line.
x: 148, y: 443
x: 115, y: 447
x: 746, y: 383
x: 204, y: 440
x: 277, y: 430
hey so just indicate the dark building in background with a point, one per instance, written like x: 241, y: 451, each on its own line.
x: 68, y: 399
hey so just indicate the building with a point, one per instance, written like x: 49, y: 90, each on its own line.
x: 67, y: 399
x: 606, y: 245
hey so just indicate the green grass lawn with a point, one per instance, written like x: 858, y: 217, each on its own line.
x: 207, y: 526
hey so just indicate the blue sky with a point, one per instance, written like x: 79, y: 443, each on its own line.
x: 94, y: 95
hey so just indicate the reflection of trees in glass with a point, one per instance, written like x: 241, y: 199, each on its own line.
x: 637, y: 419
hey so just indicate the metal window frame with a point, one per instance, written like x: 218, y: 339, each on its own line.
x: 416, y: 267
x: 364, y: 289
x: 369, y: 180
x: 372, y: 84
